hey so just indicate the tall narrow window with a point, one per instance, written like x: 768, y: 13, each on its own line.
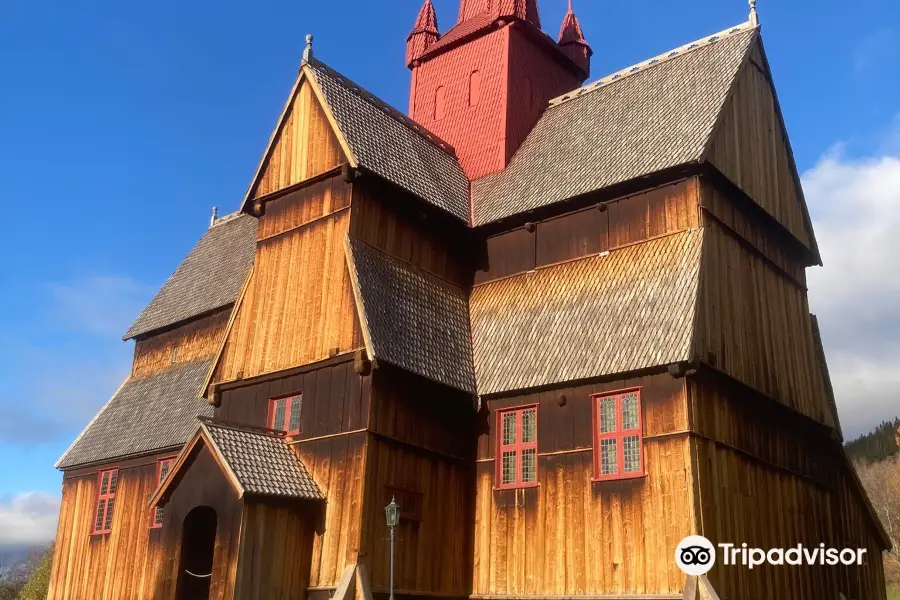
x: 440, y: 98
x: 516, y: 457
x: 284, y: 414
x: 163, y: 466
x: 474, y: 88
x: 107, y: 482
x: 618, y: 436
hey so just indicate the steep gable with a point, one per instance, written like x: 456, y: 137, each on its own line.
x: 750, y: 146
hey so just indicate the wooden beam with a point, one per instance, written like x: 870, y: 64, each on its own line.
x: 346, y: 587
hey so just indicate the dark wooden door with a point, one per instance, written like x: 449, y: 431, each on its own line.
x: 197, y: 548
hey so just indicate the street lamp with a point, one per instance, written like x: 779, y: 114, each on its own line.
x: 392, y: 515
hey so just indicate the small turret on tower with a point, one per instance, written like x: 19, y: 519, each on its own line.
x: 424, y: 34
x: 572, y: 42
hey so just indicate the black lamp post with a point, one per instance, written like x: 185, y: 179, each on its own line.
x: 392, y: 515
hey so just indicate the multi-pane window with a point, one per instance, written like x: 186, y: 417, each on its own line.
x: 619, y: 442
x: 284, y: 414
x: 163, y: 466
x: 107, y: 482
x: 410, y: 502
x: 517, y: 448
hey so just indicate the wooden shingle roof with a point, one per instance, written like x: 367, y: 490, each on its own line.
x: 412, y: 319
x: 145, y: 415
x: 653, y: 117
x: 208, y: 279
x: 627, y: 310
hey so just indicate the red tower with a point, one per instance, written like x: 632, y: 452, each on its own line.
x: 483, y: 84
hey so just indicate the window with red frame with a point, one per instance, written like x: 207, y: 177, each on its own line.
x: 284, y: 414
x: 163, y: 466
x: 618, y: 436
x: 410, y: 502
x: 107, y: 481
x: 516, y: 448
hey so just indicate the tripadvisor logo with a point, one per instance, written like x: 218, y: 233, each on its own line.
x: 696, y: 555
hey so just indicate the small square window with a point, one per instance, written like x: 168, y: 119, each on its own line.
x: 410, y: 502
x: 284, y: 414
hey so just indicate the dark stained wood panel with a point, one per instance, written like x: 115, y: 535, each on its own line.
x: 573, y: 235
x: 507, y: 254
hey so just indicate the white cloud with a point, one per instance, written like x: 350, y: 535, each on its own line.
x: 28, y: 519
x: 98, y: 305
x: 856, y: 215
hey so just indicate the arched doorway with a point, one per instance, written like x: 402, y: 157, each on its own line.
x: 198, y: 543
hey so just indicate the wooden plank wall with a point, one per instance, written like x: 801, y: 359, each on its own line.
x: 752, y: 322
x: 202, y: 484
x: 569, y: 536
x: 298, y: 307
x: 750, y: 148
x: 125, y: 563
x: 332, y: 445
x: 422, y: 441
x: 385, y: 220
x: 195, y: 340
x: 304, y: 146
x: 753, y: 230
x: 275, y: 554
x: 625, y: 221
x: 772, y: 479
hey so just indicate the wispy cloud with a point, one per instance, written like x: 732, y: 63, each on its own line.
x: 97, y: 305
x: 876, y: 50
x: 27, y: 519
x: 856, y: 213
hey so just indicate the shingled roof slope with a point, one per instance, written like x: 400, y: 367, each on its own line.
x: 262, y: 462
x: 412, y: 319
x: 145, y: 415
x: 209, y: 278
x: 392, y: 145
x: 650, y: 118
x: 628, y: 310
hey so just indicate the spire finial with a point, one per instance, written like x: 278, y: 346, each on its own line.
x: 570, y: 6
x: 308, y: 52
x: 215, y: 215
x: 754, y: 16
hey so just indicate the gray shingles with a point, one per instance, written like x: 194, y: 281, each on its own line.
x: 647, y: 122
x: 262, y: 462
x: 209, y: 278
x: 415, y: 321
x: 629, y: 310
x: 148, y: 414
x: 387, y: 143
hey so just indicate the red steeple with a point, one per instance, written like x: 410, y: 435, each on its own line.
x: 483, y: 85
x: 424, y: 33
x: 572, y: 42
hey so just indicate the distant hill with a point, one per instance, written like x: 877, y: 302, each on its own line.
x: 879, y: 444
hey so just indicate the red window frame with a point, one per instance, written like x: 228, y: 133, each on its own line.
x: 619, y: 434
x: 107, y: 485
x: 158, y: 512
x: 288, y: 404
x: 409, y: 501
x: 518, y: 447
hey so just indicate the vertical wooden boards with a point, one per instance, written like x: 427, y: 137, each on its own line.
x: 192, y: 341
x: 571, y: 536
x: 771, y: 478
x: 751, y: 149
x: 298, y: 307
x: 383, y: 219
x: 636, y: 218
x: 124, y: 563
x: 277, y: 550
x: 753, y: 323
x: 303, y: 147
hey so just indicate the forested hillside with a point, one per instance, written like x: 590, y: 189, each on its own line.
x: 879, y: 444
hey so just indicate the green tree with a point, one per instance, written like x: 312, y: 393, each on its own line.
x: 38, y: 584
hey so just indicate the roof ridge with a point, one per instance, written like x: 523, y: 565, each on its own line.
x: 362, y: 92
x: 641, y: 67
x: 226, y: 219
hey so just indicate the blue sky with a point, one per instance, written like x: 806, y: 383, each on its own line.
x: 123, y: 123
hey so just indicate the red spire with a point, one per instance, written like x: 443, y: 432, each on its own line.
x: 424, y: 33
x: 572, y: 42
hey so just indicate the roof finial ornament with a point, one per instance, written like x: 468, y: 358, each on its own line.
x: 308, y: 52
x: 570, y: 6
x: 754, y: 16
x: 215, y: 215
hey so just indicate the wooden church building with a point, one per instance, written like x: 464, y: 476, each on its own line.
x: 564, y: 325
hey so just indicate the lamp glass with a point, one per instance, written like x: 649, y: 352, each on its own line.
x: 392, y: 513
